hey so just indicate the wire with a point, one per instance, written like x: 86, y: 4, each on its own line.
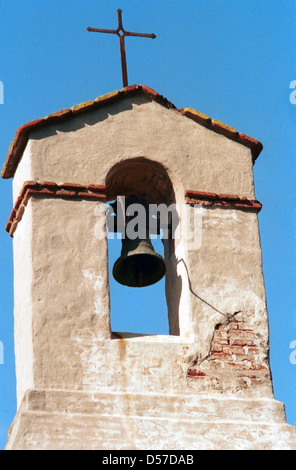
x: 229, y: 316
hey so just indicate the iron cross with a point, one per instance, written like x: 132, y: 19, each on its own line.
x: 120, y: 31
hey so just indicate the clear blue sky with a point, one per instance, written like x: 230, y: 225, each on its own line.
x: 232, y: 60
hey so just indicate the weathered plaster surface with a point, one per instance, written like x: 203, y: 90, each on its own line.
x: 24, y: 172
x: 195, y: 157
x: 123, y: 421
x: 23, y: 305
x: 127, y: 391
x: 70, y: 290
x: 70, y: 304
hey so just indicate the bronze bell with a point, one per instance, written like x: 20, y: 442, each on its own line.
x: 139, y: 265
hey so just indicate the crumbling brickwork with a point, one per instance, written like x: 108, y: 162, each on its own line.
x: 234, y: 360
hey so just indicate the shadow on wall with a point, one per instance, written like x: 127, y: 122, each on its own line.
x: 92, y: 117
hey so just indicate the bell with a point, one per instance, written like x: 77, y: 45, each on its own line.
x: 139, y: 265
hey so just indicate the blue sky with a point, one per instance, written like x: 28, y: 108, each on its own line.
x: 232, y: 60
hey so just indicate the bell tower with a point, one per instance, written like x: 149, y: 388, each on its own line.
x: 206, y: 385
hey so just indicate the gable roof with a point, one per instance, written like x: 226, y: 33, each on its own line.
x: 19, y: 143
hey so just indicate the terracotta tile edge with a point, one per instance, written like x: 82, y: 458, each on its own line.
x: 231, y: 201
x: 98, y: 192
x: 54, y: 190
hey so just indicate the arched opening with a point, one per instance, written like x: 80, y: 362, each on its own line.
x: 143, y: 310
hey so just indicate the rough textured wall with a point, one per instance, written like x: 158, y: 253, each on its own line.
x: 70, y: 292
x: 83, y: 149
x: 23, y: 306
x: 72, y: 344
x: 207, y: 385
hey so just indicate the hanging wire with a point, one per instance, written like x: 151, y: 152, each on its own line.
x: 229, y: 316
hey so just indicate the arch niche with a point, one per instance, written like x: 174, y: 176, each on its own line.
x: 149, y: 181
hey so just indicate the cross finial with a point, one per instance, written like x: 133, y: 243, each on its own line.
x: 120, y: 31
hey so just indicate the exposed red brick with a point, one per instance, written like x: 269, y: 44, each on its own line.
x: 216, y: 347
x: 253, y: 350
x: 220, y: 356
x: 222, y: 333
x: 233, y: 354
x: 238, y: 329
x: 233, y: 350
x: 220, y: 341
x: 240, y: 342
